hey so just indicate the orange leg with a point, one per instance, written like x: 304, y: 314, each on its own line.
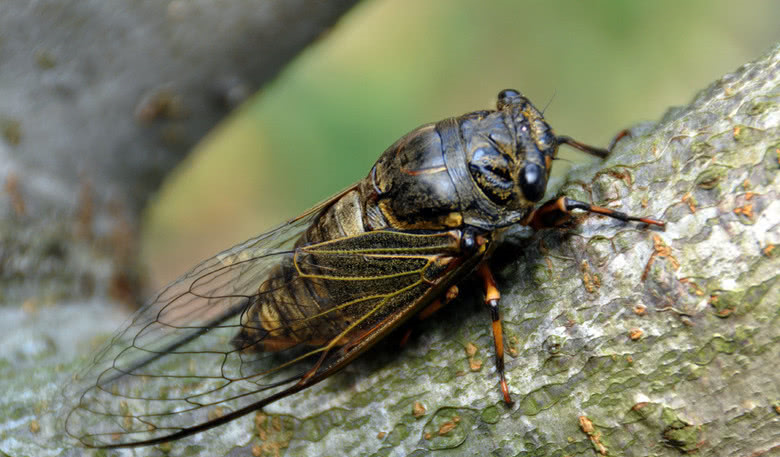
x: 434, y: 306
x: 594, y: 151
x: 558, y: 212
x: 430, y: 309
x: 405, y: 338
x: 621, y: 134
x: 492, y: 296
x: 437, y: 304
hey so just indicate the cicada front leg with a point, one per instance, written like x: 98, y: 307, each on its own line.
x: 558, y: 212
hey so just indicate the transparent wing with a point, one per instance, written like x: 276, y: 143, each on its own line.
x: 207, y: 349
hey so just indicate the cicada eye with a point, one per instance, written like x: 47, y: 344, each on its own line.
x: 490, y: 170
x: 533, y: 182
x: 506, y: 96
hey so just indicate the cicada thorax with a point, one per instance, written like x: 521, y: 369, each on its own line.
x: 484, y: 169
x: 410, y: 188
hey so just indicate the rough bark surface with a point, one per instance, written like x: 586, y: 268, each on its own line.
x: 99, y: 100
x: 623, y: 340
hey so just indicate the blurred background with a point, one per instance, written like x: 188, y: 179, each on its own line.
x: 390, y: 66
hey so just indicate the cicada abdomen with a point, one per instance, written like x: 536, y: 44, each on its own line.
x: 333, y: 292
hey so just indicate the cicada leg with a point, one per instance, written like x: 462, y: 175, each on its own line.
x: 437, y: 304
x: 492, y: 296
x: 592, y: 150
x: 557, y: 212
x: 620, y: 135
x: 434, y: 306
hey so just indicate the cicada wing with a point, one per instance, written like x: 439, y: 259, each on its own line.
x: 177, y: 346
x: 178, y: 340
x: 201, y: 353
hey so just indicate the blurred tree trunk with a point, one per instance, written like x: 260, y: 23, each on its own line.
x: 99, y: 100
x: 622, y: 340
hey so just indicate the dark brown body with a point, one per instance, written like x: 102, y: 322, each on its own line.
x: 427, y: 183
x: 285, y: 310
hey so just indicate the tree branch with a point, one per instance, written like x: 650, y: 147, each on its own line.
x: 99, y: 101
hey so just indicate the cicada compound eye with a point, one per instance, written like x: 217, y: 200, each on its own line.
x: 533, y: 182
x: 507, y: 96
x: 491, y: 172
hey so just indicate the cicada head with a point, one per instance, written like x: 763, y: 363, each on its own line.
x: 535, y: 144
x: 510, y: 158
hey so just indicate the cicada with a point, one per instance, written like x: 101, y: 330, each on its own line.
x: 283, y: 311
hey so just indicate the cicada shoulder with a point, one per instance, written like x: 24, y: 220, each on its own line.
x: 285, y: 310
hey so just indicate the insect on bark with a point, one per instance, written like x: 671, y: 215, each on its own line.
x: 285, y: 310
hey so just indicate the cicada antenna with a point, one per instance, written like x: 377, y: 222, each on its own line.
x: 547, y: 105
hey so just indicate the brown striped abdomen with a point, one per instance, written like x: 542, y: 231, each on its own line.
x: 292, y: 308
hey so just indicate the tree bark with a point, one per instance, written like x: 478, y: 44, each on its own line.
x: 99, y: 100
x: 622, y: 339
